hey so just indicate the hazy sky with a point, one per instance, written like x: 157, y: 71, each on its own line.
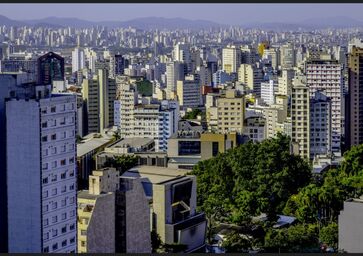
x: 220, y: 13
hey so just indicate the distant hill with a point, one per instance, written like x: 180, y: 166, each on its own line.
x: 141, y: 23
x: 9, y: 22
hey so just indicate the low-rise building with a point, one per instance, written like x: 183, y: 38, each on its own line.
x: 172, y: 195
x: 113, y: 215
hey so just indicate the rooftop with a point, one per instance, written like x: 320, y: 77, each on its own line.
x: 135, y: 142
x: 91, y: 142
x: 155, y: 174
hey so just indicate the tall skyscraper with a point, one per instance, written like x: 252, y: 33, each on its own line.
x: 300, y: 116
x: 354, y: 125
x: 117, y: 65
x: 99, y: 94
x: 231, y: 59
x: 174, y: 71
x: 50, y: 67
x: 78, y: 59
x: 326, y: 76
x: 320, y: 125
x: 42, y: 185
x: 287, y: 55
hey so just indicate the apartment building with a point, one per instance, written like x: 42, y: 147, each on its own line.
x: 42, y: 211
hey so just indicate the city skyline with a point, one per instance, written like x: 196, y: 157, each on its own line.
x: 239, y: 13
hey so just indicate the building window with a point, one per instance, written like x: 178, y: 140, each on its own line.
x: 83, y: 232
x: 54, y: 150
x: 54, y: 232
x: 63, y: 162
x: 45, y: 208
x: 44, y: 125
x: 54, y: 178
x: 63, y: 175
x: 54, y: 205
x: 55, y: 247
x: 71, y: 173
x: 46, y: 236
x: 72, y: 240
x: 71, y: 160
x: 64, y: 188
x: 71, y: 227
x: 45, y: 194
x: 64, y: 216
x: 46, y: 249
x: 215, y: 149
x: 63, y: 202
x: 72, y: 213
x: 53, y: 109
x: 44, y: 139
x: 64, y: 243
x: 71, y: 187
x: 64, y: 229
x: 54, y: 219
x: 45, y: 180
x: 83, y: 243
x: 45, y: 222
x: 54, y: 136
x: 45, y: 166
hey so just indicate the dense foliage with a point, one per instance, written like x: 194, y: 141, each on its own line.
x: 250, y: 180
x: 122, y: 163
x: 193, y: 114
x: 265, y: 178
x: 145, y: 88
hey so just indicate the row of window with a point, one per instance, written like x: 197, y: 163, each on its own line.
x: 57, y: 108
x: 61, y: 136
x: 54, y: 191
x: 54, y: 164
x: 63, y: 203
x: 63, y: 176
x: 63, y: 244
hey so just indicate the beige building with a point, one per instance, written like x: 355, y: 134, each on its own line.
x: 285, y: 81
x: 172, y: 196
x: 213, y: 143
x: 231, y: 112
x: 300, y: 116
x: 99, y: 94
x: 355, y: 120
x: 113, y: 215
x: 251, y: 77
x: 231, y: 59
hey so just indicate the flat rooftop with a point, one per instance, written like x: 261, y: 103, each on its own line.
x: 135, y: 142
x: 91, y: 143
x: 155, y: 174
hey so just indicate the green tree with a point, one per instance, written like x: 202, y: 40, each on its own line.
x: 235, y: 242
x: 251, y: 179
x: 193, y: 114
x: 122, y: 162
x: 329, y: 235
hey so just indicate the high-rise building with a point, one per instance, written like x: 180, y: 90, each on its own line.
x: 326, y: 76
x: 189, y: 92
x: 231, y: 59
x: 50, y: 68
x: 300, y: 115
x: 42, y: 209
x: 174, y: 71
x: 113, y: 215
x: 231, y: 112
x: 287, y: 55
x: 320, y: 125
x: 78, y: 59
x: 12, y: 85
x: 285, y: 81
x: 117, y: 65
x: 268, y: 91
x: 354, y: 124
x: 99, y: 94
x: 251, y: 76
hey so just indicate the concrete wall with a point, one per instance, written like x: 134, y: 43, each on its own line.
x: 23, y: 177
x: 351, y: 227
x: 101, y: 228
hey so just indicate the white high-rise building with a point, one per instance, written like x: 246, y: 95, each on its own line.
x: 78, y: 59
x: 268, y: 90
x: 41, y: 173
x: 326, y: 76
